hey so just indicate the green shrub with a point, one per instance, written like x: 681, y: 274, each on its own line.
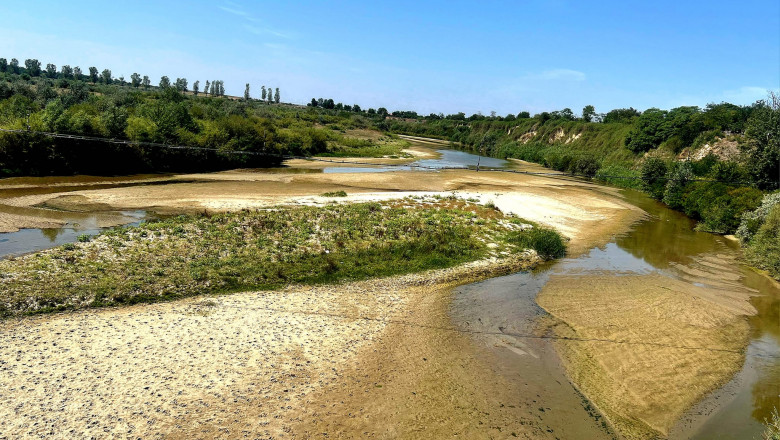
x: 764, y: 249
x: 619, y: 175
x: 752, y: 221
x: 83, y: 238
x: 653, y: 174
x: 587, y: 166
x: 334, y: 194
x: 546, y: 242
x: 679, y: 177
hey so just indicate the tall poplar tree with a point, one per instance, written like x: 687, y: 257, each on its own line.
x: 106, y: 76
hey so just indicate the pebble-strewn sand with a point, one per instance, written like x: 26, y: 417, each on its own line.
x: 234, y: 366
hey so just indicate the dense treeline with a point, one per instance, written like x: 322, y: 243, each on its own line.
x: 98, y: 105
x: 647, y: 150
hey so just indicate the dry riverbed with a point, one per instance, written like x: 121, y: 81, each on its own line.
x: 374, y: 359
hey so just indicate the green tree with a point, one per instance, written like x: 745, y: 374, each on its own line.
x: 165, y: 82
x: 14, y: 65
x: 33, y: 67
x: 246, y: 92
x: 105, y: 76
x: 181, y: 84
x: 51, y: 70
x: 3, y: 64
x: 270, y: 95
x: 524, y: 115
x: 146, y: 82
x: 277, y: 96
x: 66, y: 71
x: 649, y: 131
x: 622, y: 115
x: 135, y: 80
x: 588, y: 113
x: 762, y: 133
x: 93, y: 74
x: 654, y: 177
x: 313, y: 102
x: 195, y: 88
x: 262, y: 93
x: 77, y: 73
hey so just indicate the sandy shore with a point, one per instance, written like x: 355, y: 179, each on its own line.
x: 286, y: 364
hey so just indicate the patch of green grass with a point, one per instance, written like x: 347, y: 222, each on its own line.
x: 248, y: 250
x: 334, y: 194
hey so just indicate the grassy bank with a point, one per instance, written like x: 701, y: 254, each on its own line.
x: 266, y: 249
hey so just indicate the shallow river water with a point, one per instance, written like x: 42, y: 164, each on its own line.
x: 665, y: 244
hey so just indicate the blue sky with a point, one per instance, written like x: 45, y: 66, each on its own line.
x: 432, y: 56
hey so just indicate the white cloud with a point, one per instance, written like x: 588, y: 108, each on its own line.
x: 257, y: 30
x: 266, y: 31
x: 560, y: 74
x: 234, y: 11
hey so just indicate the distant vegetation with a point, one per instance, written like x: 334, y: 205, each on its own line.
x: 265, y: 249
x: 97, y: 105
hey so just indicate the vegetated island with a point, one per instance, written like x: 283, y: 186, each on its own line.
x: 266, y: 249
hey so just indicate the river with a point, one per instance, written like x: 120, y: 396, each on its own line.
x: 665, y: 244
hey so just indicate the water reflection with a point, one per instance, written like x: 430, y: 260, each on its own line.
x: 30, y: 240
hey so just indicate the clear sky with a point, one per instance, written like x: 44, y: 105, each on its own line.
x: 427, y: 56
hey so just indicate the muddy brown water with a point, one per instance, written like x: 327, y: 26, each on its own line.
x: 506, y: 319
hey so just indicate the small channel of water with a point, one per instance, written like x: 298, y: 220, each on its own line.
x: 25, y: 241
x: 447, y: 159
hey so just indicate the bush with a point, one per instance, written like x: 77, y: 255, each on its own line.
x: 681, y: 174
x: 587, y: 166
x: 334, y: 194
x: 653, y: 173
x: 764, y: 249
x: 546, y: 242
x: 752, y: 221
x: 619, y: 175
x: 719, y: 207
